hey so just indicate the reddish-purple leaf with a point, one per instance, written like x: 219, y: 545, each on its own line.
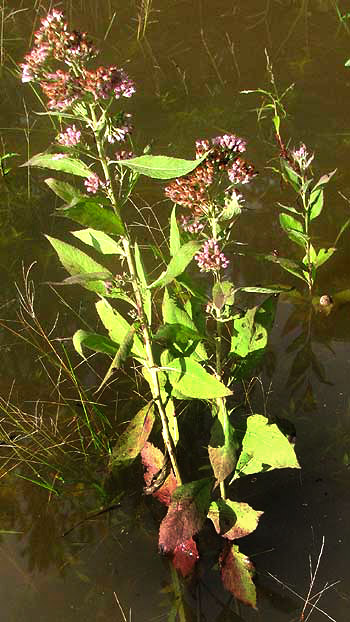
x: 223, y: 446
x: 153, y: 461
x: 232, y: 519
x: 186, y: 514
x: 236, y: 574
x: 185, y: 557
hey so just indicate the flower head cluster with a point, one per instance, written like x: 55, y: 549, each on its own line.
x: 124, y: 155
x: 120, y: 129
x: 211, y: 258
x: 53, y: 43
x: 240, y: 172
x: 70, y: 137
x: 192, y: 225
x: 302, y: 157
x: 223, y: 155
x: 92, y: 183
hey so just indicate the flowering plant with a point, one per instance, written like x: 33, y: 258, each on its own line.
x: 175, y: 357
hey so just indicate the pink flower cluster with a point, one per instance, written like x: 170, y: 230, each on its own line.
x: 240, y: 172
x: 191, y: 225
x: 70, y: 137
x: 121, y: 128
x: 54, y: 43
x: 211, y: 258
x: 302, y: 157
x: 124, y: 155
x: 92, y: 183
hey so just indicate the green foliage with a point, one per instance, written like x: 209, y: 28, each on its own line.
x: 160, y: 167
x: 264, y: 448
x: 190, y: 379
x: 178, y: 263
x: 64, y: 164
x: 132, y: 440
x: 118, y: 328
x: 233, y: 519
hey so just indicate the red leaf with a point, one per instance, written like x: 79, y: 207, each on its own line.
x: 233, y: 519
x: 185, y: 557
x: 186, y: 514
x: 153, y: 461
x: 236, y: 574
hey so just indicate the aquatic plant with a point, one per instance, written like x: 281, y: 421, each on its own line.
x: 202, y: 343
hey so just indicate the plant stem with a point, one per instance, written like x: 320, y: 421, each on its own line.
x: 151, y: 367
x: 221, y: 402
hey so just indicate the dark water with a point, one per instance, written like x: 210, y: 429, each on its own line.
x: 189, y: 63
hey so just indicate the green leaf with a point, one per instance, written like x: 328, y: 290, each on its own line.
x: 290, y: 223
x: 341, y: 231
x: 176, y: 333
x: 100, y: 241
x: 264, y: 448
x: 175, y: 240
x: 289, y: 265
x: 121, y: 355
x: 78, y: 263
x: 323, y: 255
x: 64, y: 190
x: 64, y: 164
x: 161, y: 167
x: 178, y: 264
x: 316, y: 196
x: 118, y: 327
x: 191, y: 379
x: 233, y: 519
x: 93, y: 341
x: 236, y: 574
x: 223, y: 294
x: 132, y: 440
x: 291, y: 176
x: 271, y: 289
x: 223, y: 444
x: 89, y: 212
x: 145, y: 293
x: 174, y: 314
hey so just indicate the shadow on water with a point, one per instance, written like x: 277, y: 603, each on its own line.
x: 189, y: 60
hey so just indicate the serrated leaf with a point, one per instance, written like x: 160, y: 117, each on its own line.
x: 78, y: 263
x: 233, y: 519
x: 186, y: 514
x: 65, y: 164
x: 161, y: 167
x: 64, y: 190
x: 191, y: 380
x: 178, y: 264
x: 100, y: 241
x: 89, y: 212
x: 236, y: 574
x: 264, y: 448
x: 118, y: 327
x: 132, y: 440
x: 93, y: 341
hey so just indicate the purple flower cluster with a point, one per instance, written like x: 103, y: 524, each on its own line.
x: 191, y: 225
x: 240, y: 172
x: 54, y: 43
x: 70, y: 137
x: 124, y: 155
x: 121, y: 128
x: 302, y: 157
x: 211, y: 258
x: 92, y: 183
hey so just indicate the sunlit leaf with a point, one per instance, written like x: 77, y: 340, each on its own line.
x: 223, y: 294
x: 174, y: 314
x: 233, y: 519
x: 186, y: 514
x: 76, y: 262
x: 145, y: 293
x: 132, y: 440
x: 264, y: 448
x: 289, y: 223
x: 236, y: 574
x: 64, y: 190
x: 120, y: 356
x: 191, y: 380
x: 60, y: 162
x: 291, y: 175
x: 90, y: 213
x: 316, y: 196
x: 100, y: 241
x: 323, y: 255
x: 93, y: 341
x: 178, y: 264
x: 118, y: 327
x: 161, y: 167
x: 175, y: 240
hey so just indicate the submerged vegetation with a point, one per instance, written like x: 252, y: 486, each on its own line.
x: 174, y: 317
